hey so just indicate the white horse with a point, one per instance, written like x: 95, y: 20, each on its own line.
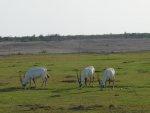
x: 34, y: 73
x: 86, y: 74
x: 108, y: 75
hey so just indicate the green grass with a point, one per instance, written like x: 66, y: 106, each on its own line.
x: 131, y: 94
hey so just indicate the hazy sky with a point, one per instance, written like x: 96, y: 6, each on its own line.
x: 28, y: 17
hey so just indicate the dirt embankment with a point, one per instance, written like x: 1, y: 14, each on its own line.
x: 98, y: 45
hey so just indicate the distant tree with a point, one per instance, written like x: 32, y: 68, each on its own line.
x: 57, y: 37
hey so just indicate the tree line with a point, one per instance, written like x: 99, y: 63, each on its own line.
x: 57, y: 37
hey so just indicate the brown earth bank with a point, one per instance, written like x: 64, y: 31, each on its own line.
x: 99, y: 45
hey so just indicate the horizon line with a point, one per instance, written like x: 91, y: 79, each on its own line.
x: 59, y: 34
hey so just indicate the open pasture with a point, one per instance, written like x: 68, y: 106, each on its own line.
x: 62, y: 94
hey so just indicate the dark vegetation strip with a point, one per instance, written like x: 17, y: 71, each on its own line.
x: 57, y: 37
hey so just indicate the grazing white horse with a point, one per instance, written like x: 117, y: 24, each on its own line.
x: 108, y: 75
x: 34, y: 73
x: 86, y: 74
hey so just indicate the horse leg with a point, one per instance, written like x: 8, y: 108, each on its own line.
x: 109, y: 82
x: 45, y: 81
x: 93, y: 79
x: 34, y: 82
x: 30, y: 83
x: 113, y: 84
x: 85, y: 81
x: 42, y: 83
x: 105, y: 84
x: 90, y: 81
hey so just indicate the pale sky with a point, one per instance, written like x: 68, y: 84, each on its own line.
x: 72, y: 17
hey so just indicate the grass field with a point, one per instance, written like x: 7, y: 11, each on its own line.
x: 62, y: 95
